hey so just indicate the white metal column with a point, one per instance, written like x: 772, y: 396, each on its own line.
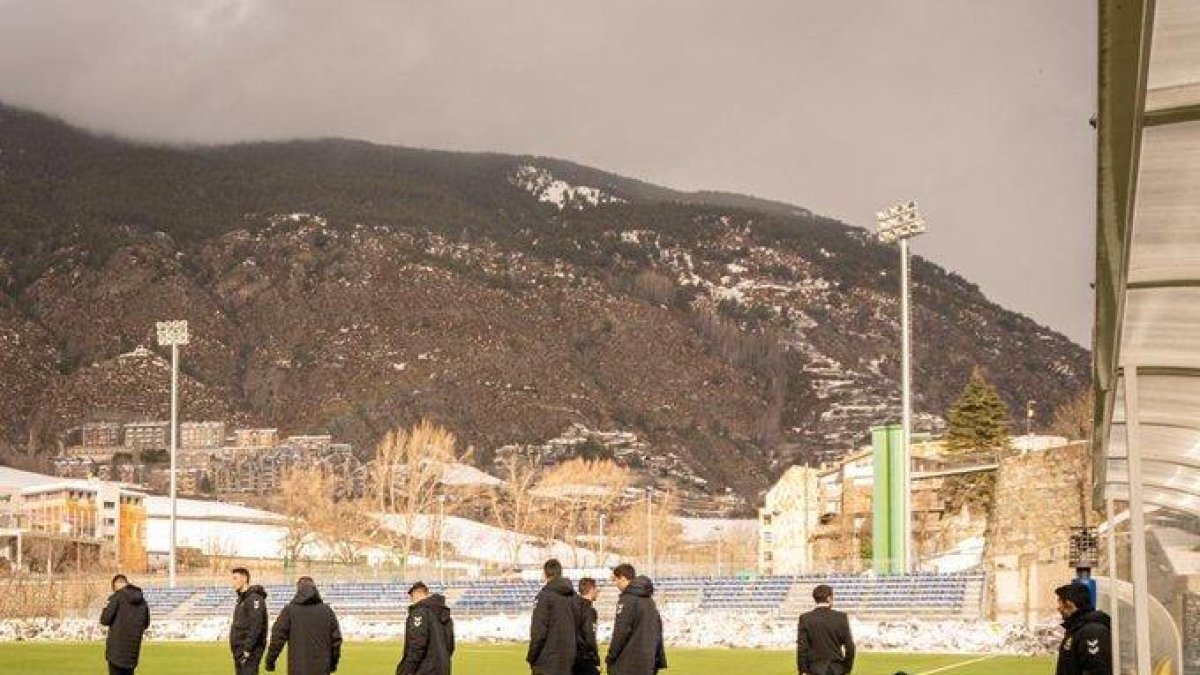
x: 1114, y: 607
x: 1137, y: 523
x: 906, y: 402
x: 174, y: 442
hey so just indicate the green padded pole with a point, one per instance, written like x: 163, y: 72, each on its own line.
x: 897, y: 473
x: 881, y: 549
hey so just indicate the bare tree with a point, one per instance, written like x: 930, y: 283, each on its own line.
x: 346, y: 528
x: 512, y: 505
x: 408, y: 469
x: 303, y: 492
x: 580, y: 490
x: 1073, y: 419
x: 631, y: 532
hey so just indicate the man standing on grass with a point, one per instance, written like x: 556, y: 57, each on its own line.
x: 248, y: 630
x: 637, y: 640
x: 1086, y: 647
x: 127, y: 616
x: 824, y: 645
x: 428, y: 634
x: 310, y: 630
x: 552, y: 632
x: 587, y: 653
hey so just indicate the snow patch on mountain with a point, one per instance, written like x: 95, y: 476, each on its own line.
x: 543, y: 185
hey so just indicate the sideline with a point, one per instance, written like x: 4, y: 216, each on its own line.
x: 957, y: 665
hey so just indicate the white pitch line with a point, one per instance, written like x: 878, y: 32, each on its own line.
x: 956, y: 665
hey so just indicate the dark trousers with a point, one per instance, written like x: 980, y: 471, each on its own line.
x: 249, y: 666
x: 118, y: 670
x: 585, y: 668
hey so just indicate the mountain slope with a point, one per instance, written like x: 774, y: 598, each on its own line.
x: 343, y: 286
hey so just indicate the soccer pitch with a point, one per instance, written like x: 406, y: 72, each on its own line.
x: 380, y: 658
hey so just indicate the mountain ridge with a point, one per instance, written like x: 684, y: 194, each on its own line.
x: 740, y: 334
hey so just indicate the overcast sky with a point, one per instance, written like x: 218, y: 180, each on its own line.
x: 978, y: 109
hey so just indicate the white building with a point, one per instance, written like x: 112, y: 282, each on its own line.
x: 787, y: 521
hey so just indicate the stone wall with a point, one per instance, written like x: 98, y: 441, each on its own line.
x: 1039, y: 497
x: 948, y: 510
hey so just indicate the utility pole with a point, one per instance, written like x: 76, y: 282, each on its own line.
x: 718, y: 530
x: 650, y: 529
x: 442, y: 540
x: 1029, y: 425
x: 601, y: 562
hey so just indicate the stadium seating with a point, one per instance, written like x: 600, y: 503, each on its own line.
x: 915, y: 595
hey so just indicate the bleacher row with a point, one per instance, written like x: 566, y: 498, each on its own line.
x: 949, y: 595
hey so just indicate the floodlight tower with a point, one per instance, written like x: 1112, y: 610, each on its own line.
x: 899, y: 224
x: 173, y: 334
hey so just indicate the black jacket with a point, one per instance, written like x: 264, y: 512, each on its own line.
x: 127, y: 616
x: 248, y: 630
x: 1086, y: 648
x: 428, y: 638
x: 637, y: 642
x: 587, y: 652
x: 823, y: 638
x: 310, y: 629
x: 552, y: 630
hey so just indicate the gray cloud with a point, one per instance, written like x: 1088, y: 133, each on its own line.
x: 979, y: 109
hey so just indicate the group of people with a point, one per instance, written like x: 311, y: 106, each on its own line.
x: 562, y: 633
x: 825, y: 646
x: 307, y: 625
x: 562, y: 637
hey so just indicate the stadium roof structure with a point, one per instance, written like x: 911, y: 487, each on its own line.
x: 1148, y: 251
x: 1147, y: 336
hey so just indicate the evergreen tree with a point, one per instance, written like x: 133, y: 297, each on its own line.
x: 979, y: 419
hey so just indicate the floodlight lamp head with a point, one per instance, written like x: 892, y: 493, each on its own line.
x: 172, y: 333
x: 901, y: 221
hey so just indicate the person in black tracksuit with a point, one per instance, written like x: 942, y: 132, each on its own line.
x: 552, y: 631
x: 587, y: 652
x: 637, y: 639
x: 1086, y: 647
x: 310, y: 629
x: 428, y: 634
x: 127, y: 616
x: 248, y: 629
x: 824, y: 645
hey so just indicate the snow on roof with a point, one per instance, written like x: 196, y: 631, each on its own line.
x: 703, y: 530
x: 11, y: 478
x: 490, y: 544
x: 30, y: 482
x: 160, y: 507
x: 458, y: 474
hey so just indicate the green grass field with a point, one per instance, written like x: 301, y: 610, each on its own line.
x: 379, y: 658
